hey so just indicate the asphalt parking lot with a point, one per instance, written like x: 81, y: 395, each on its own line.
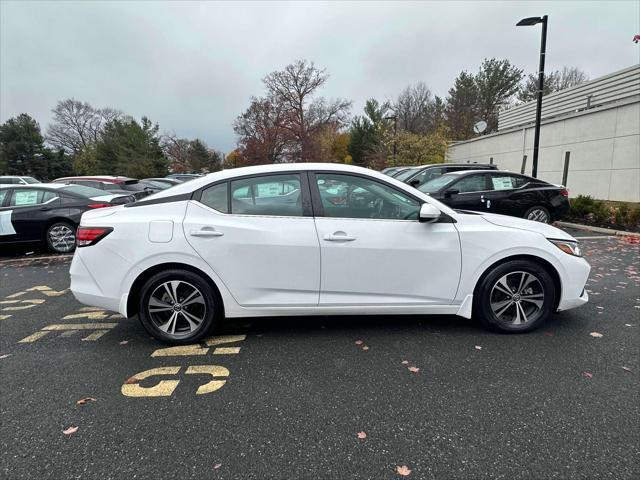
x: 324, y: 397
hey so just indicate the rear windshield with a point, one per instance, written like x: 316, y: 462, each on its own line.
x: 83, y: 191
x: 30, y: 180
x: 131, y: 186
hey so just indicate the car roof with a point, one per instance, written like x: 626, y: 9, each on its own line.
x: 272, y: 168
x: 98, y: 178
x: 36, y: 185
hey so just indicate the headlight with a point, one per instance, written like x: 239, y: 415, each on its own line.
x: 572, y: 248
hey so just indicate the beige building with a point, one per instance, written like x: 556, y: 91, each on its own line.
x: 589, y: 138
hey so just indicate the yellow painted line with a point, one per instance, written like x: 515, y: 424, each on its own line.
x: 222, y: 339
x: 226, y: 351
x: 90, y: 315
x: 4, y: 317
x: 117, y: 316
x: 14, y: 295
x: 180, y: 351
x: 94, y: 336
x: 79, y: 326
x: 48, y: 291
x: 53, y: 293
x: 33, y: 337
x: 21, y: 307
x: 91, y: 309
x: 214, y: 371
x: 35, y: 301
x: 68, y: 333
x: 6, y: 302
x: 164, y: 388
x: 38, y: 288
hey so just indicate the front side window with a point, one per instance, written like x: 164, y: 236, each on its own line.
x: 3, y: 195
x: 472, y: 183
x: 216, y: 197
x: 273, y: 195
x: 347, y: 196
x: 428, y: 174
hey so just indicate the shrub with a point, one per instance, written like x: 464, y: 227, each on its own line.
x: 600, y: 211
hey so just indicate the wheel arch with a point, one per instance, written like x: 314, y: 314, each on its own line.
x: 550, y: 269
x: 134, y: 292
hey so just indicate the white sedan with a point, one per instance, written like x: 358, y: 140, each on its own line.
x: 317, y: 239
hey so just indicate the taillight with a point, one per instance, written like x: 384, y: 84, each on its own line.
x: 86, y: 236
x: 99, y: 205
x: 564, y: 192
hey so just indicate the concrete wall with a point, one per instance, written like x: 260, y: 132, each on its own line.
x: 604, y: 143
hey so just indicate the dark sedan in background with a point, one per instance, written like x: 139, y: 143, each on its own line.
x: 49, y: 213
x: 425, y: 173
x: 112, y: 184
x: 500, y: 192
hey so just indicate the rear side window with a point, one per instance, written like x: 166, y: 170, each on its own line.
x: 277, y: 195
x: 30, y: 197
x: 506, y: 182
x: 429, y: 174
x: 216, y: 197
x: 3, y: 195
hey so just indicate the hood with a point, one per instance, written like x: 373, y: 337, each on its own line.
x: 544, y: 229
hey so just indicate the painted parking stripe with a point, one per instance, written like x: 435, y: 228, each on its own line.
x: 226, y: 351
x: 213, y: 370
x: 98, y: 315
x: 34, y: 336
x: 79, y: 326
x: 222, y: 339
x: 164, y: 388
x: 94, y: 336
x: 68, y: 333
x: 4, y: 317
x: 184, y: 350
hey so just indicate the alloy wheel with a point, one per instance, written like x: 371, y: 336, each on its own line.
x: 517, y: 298
x: 62, y: 238
x: 177, y: 308
x: 538, y: 215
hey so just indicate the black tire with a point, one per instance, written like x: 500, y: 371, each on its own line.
x: 209, y: 309
x: 489, y: 298
x: 538, y: 214
x: 60, y: 237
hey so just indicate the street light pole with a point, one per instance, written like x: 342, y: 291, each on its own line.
x: 543, y: 48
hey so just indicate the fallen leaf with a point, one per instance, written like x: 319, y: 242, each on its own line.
x: 365, y: 348
x: 414, y: 369
x: 405, y: 362
x: 130, y: 380
x: 70, y: 430
x: 84, y: 401
x: 124, y: 342
x: 626, y: 369
x: 596, y: 334
x: 587, y: 374
x: 362, y: 435
x: 217, y: 466
x: 403, y: 470
x: 550, y: 333
x: 478, y: 347
x: 359, y: 342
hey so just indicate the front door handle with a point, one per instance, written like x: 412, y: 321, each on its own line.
x: 206, y: 232
x: 339, y: 237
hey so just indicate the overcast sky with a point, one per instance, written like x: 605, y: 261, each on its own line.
x: 192, y: 66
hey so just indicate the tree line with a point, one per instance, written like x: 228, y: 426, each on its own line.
x: 290, y: 122
x: 84, y: 140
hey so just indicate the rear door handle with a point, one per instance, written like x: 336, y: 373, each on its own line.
x: 205, y: 233
x: 339, y: 237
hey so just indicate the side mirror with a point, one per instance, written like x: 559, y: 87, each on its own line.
x: 451, y: 192
x: 429, y: 213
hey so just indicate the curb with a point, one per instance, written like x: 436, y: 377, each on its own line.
x: 588, y: 228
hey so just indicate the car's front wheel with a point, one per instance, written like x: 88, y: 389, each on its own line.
x: 515, y: 297
x: 178, y: 307
x: 61, y: 237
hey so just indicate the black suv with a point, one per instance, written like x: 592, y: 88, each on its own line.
x: 429, y: 172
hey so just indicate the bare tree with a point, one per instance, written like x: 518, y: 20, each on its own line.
x: 77, y: 124
x: 414, y: 109
x: 177, y: 150
x: 553, y: 82
x: 304, y: 115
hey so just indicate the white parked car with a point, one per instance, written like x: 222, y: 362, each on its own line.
x: 317, y: 239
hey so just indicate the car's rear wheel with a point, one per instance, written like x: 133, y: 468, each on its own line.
x: 61, y: 237
x: 538, y: 214
x: 178, y: 307
x: 515, y: 297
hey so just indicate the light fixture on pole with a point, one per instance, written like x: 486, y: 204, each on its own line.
x: 527, y: 22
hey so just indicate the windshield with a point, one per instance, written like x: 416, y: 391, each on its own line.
x: 406, y: 174
x: 438, y: 183
x: 30, y: 180
x: 83, y: 191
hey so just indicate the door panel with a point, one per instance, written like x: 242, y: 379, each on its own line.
x: 262, y: 260
x: 31, y: 211
x: 374, y: 250
x: 472, y: 190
